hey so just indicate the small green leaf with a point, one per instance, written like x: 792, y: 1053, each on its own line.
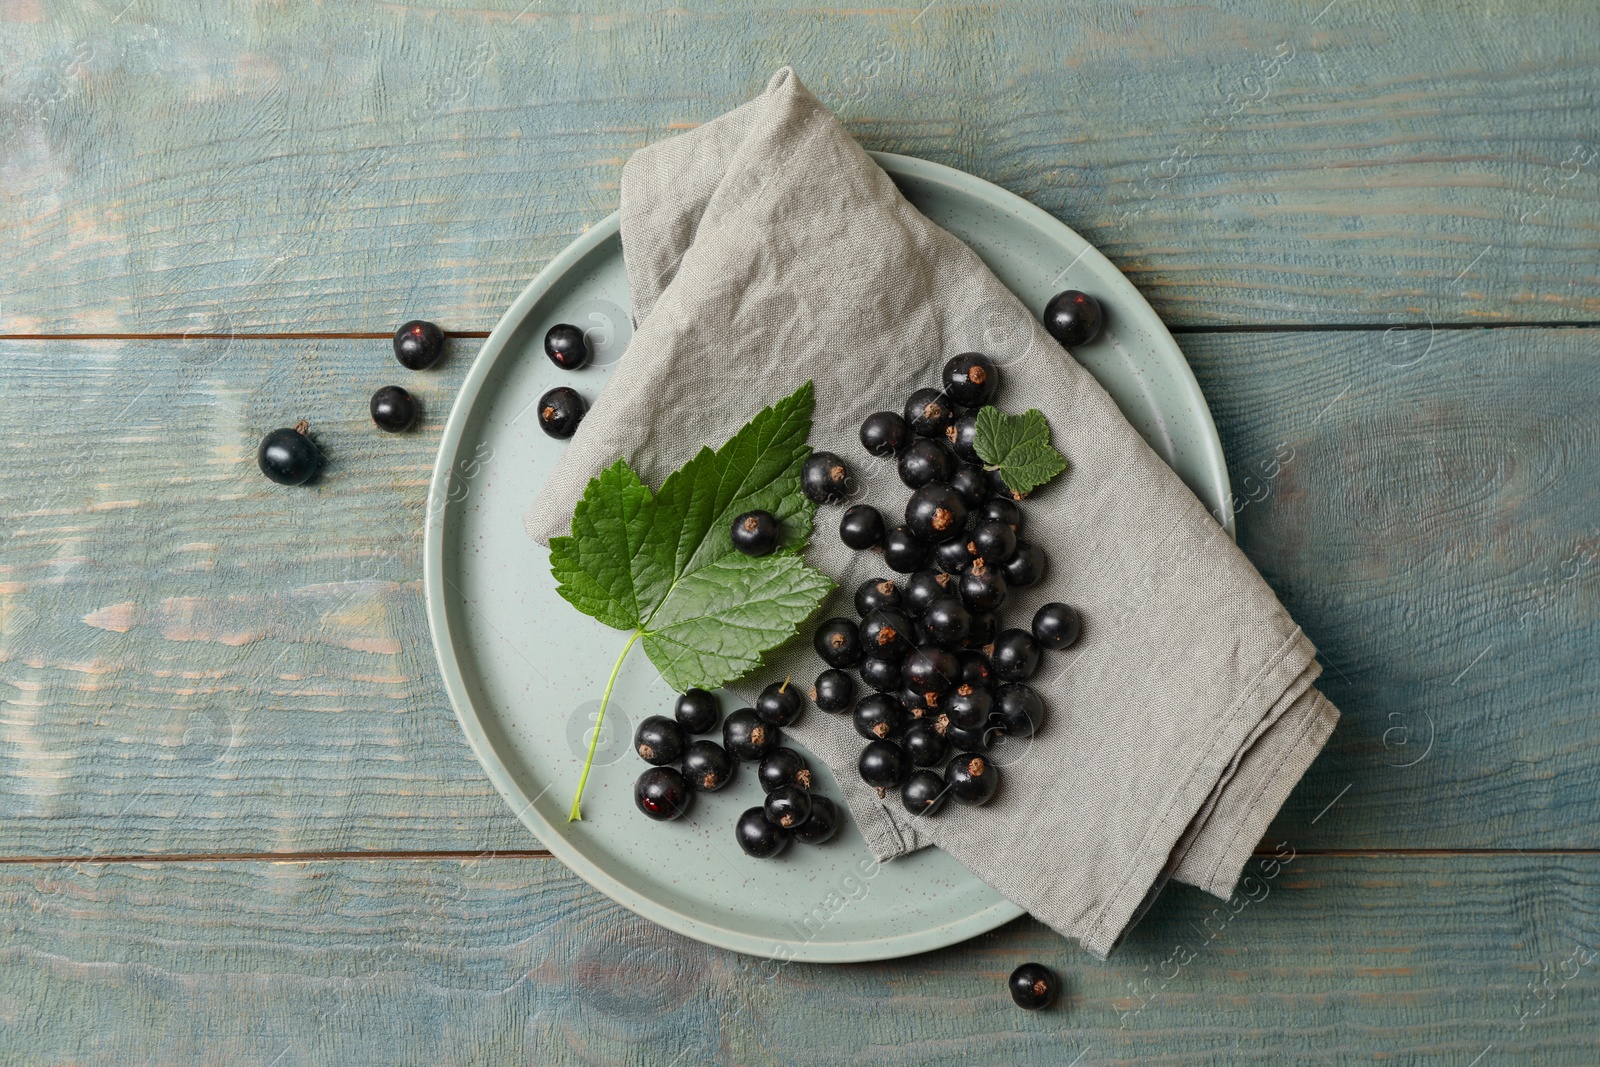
x: 1018, y: 446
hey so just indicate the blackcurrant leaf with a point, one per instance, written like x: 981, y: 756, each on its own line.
x: 1018, y: 446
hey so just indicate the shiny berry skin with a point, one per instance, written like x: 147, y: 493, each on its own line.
x: 697, y: 711
x: 947, y: 621
x: 953, y: 556
x: 972, y: 778
x: 747, y: 738
x: 564, y: 343
x: 996, y: 542
x: 418, y: 344
x: 883, y: 764
x: 560, y: 412
x: 875, y: 593
x: 1073, y: 318
x: 929, y: 412
x: 1018, y: 710
x: 919, y: 704
x: 287, y: 456
x: 1000, y: 509
x: 1057, y: 626
x: 787, y: 807
x: 838, y: 643
x: 823, y: 823
x: 1015, y: 655
x: 926, y: 461
x: 707, y: 766
x: 923, y: 588
x: 983, y: 630
x: 393, y: 409
x: 825, y: 478
x: 886, y: 634
x: 662, y: 793
x: 903, y: 551
x: 924, y: 744
x: 1032, y: 986
x: 931, y: 669
x: 976, y: 670
x: 969, y: 707
x: 973, y: 484
x: 878, y: 716
x: 936, y: 513
x: 780, y: 704
x: 781, y: 767
x: 923, y: 793
x: 861, y: 527
x: 757, y: 836
x: 882, y: 675
x: 963, y: 740
x: 660, y: 740
x: 755, y: 533
x: 962, y: 437
x: 833, y: 690
x: 983, y: 588
x: 1026, y: 567
x: 971, y: 379
x: 883, y: 433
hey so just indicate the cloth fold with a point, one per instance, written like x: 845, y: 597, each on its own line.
x: 769, y: 241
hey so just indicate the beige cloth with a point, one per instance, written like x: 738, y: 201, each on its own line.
x: 767, y: 248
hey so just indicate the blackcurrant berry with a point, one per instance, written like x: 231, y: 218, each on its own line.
x: 1057, y: 626
x: 923, y: 588
x: 931, y: 669
x: 833, y: 690
x: 1018, y: 710
x: 660, y: 740
x: 707, y: 766
x: 662, y: 793
x: 560, y: 412
x: 564, y: 343
x: 936, y: 512
x: 1015, y: 655
x: 947, y: 621
x: 1032, y: 986
x: 418, y: 344
x: 781, y: 767
x: 924, y: 744
x: 926, y: 461
x: 1073, y: 318
x: 923, y: 793
x: 954, y: 556
x: 787, y: 807
x: 963, y: 438
x: 861, y: 527
x: 969, y: 707
x: 825, y: 478
x: 883, y: 433
x: 982, y: 587
x: 976, y: 670
x: 1001, y: 509
x: 878, y: 716
x: 883, y: 764
x: 757, y: 836
x: 882, y: 675
x: 929, y: 412
x: 903, y: 551
x: 972, y: 778
x: 875, y: 593
x: 697, y: 711
x: 1026, y: 567
x: 823, y: 823
x: 780, y: 704
x: 973, y: 485
x: 919, y: 703
x: 886, y: 634
x: 983, y: 630
x: 747, y: 738
x: 287, y: 456
x: 994, y: 541
x: 971, y: 379
x: 965, y: 740
x: 755, y: 533
x: 838, y: 642
x: 393, y: 409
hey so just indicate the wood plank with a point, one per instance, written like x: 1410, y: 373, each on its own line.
x: 174, y: 168
x: 196, y: 661
x: 1460, y: 960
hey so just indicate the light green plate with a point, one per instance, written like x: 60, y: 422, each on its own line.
x: 524, y: 669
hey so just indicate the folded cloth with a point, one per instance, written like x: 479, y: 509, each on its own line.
x: 767, y: 248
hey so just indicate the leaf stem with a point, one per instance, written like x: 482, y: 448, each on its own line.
x: 599, y: 720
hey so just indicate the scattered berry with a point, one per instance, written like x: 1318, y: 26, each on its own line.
x: 929, y: 412
x: 982, y: 587
x: 861, y: 527
x: 823, y: 823
x: 954, y: 556
x: 1019, y: 710
x: 781, y: 767
x: 882, y: 675
x: 931, y: 669
x: 919, y: 703
x: 560, y: 412
x: 707, y: 766
x: 976, y: 670
x: 833, y: 690
x: 1001, y: 509
x: 1032, y: 986
x: 947, y: 621
x: 886, y: 634
x: 883, y: 764
x: 662, y: 793
x: 996, y: 542
x: 747, y: 738
x: 757, y: 836
x: 393, y: 409
x: 923, y: 588
x: 418, y: 344
x: 971, y: 379
x: 660, y: 740
x: 755, y: 533
x: 883, y: 433
x: 287, y: 456
x: 1015, y: 655
x: 1057, y: 626
x: 787, y: 807
x: 697, y: 711
x: 923, y: 793
x: 924, y: 744
x: 879, y: 716
x: 564, y: 343
x: 972, y: 482
x: 838, y: 643
x: 965, y: 740
x: 936, y: 513
x: 1026, y: 567
x: 1073, y: 318
x: 969, y: 706
x: 972, y: 778
x: 780, y: 704
x: 903, y: 551
x: 825, y: 478
x: 875, y: 593
x: 926, y: 461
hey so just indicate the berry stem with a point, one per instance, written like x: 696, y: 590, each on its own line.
x: 599, y: 720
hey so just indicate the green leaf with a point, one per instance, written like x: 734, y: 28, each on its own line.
x: 1018, y: 446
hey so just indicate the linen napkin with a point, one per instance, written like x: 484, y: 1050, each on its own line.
x: 767, y: 248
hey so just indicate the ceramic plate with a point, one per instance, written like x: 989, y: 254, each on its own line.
x: 525, y: 670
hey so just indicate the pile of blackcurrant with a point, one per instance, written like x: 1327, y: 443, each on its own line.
x: 943, y: 679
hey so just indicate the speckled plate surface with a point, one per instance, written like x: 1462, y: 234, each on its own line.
x: 525, y: 670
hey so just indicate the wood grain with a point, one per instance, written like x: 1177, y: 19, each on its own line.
x: 231, y: 167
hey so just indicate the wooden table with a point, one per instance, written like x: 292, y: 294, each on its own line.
x: 240, y: 824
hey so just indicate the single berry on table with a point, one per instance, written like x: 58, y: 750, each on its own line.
x: 969, y: 707
x: 996, y: 542
x: 825, y: 478
x: 875, y: 593
x: 566, y: 346
x: 973, y: 485
x: 418, y: 344
x: 823, y: 823
x: 1001, y: 509
x: 923, y: 793
x: 1057, y: 626
x: 1015, y: 655
x: 879, y: 716
x: 861, y: 527
x: 926, y: 461
x: 838, y: 642
x: 662, y: 793
x: 935, y: 512
x: 1018, y: 710
x: 1032, y: 986
x: 883, y: 433
x: 747, y: 738
x: 947, y: 621
x: 697, y: 711
x: 393, y: 409
x: 1026, y: 567
x: 924, y: 744
x: 983, y: 630
x: 931, y: 669
x: 1073, y: 318
x: 982, y: 587
x: 903, y: 551
x: 963, y: 438
x: 660, y: 740
x: 929, y: 412
x: 883, y: 764
x: 780, y: 703
x: 882, y: 675
x: 833, y: 690
x: 287, y: 455
x: 923, y: 588
x: 560, y: 412
x: 886, y: 634
x: 783, y: 766
x: 787, y: 807
x: 755, y: 533
x: 971, y: 379
x: 757, y: 836
x: 972, y: 778
x: 707, y: 766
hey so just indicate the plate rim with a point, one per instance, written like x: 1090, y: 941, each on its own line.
x: 855, y: 950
